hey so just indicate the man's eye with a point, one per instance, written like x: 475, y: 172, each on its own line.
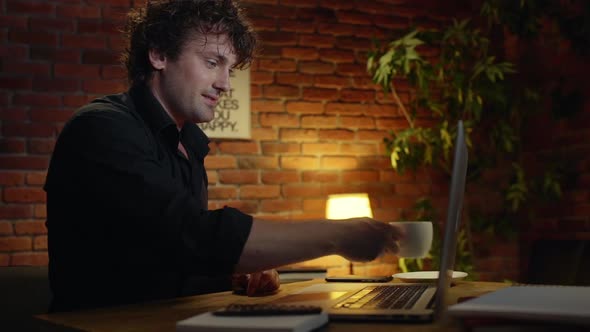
x: 211, y: 63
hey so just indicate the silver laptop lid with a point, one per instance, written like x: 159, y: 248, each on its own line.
x: 449, y: 243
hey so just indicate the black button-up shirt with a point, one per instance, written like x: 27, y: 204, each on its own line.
x: 127, y: 214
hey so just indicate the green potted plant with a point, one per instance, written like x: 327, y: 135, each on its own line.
x: 458, y: 73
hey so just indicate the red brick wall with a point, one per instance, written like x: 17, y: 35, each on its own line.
x: 567, y: 219
x: 317, y: 121
x: 55, y: 56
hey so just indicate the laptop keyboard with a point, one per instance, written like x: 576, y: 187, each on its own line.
x: 384, y: 297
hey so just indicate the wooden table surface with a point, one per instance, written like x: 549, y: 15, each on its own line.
x: 163, y: 315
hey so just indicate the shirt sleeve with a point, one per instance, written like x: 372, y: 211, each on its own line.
x: 109, y: 158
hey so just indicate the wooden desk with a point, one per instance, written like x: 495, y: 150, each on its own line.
x: 163, y: 315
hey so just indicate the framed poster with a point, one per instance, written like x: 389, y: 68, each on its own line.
x: 232, y: 115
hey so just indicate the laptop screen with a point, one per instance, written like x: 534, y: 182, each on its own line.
x: 449, y: 243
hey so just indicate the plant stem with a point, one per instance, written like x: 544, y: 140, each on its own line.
x: 402, y: 264
x: 468, y: 233
x: 401, y: 106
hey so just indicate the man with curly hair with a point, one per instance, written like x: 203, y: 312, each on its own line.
x: 127, y: 212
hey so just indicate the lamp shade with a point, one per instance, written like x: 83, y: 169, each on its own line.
x: 344, y: 206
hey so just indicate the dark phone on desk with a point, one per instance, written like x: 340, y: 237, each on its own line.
x: 353, y: 278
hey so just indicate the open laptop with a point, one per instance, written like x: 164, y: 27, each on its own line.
x: 421, y: 302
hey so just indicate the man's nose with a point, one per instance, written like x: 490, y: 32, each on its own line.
x: 222, y: 83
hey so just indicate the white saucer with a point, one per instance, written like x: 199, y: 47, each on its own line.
x: 426, y: 276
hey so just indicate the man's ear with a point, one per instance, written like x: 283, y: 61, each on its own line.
x: 157, y: 59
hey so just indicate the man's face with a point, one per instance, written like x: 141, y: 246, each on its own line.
x: 189, y: 87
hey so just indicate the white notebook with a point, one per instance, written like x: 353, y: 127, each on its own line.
x: 558, y: 304
x: 286, y: 323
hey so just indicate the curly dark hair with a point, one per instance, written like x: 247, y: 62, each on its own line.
x: 165, y: 25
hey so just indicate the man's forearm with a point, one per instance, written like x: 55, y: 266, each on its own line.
x: 272, y: 243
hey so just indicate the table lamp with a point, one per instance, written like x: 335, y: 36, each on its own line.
x: 344, y: 206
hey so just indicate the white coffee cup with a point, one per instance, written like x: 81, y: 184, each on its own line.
x: 418, y: 238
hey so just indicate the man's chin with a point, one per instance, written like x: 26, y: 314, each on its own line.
x: 208, y: 118
x: 199, y: 117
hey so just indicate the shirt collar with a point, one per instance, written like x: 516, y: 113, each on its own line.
x: 150, y: 109
x: 161, y: 123
x: 196, y: 140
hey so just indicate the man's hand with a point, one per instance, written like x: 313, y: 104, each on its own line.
x: 365, y: 239
x: 258, y: 283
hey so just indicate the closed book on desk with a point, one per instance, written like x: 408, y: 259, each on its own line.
x: 555, y: 304
x: 288, y: 323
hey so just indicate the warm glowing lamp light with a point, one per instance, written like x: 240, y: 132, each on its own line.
x: 344, y: 206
